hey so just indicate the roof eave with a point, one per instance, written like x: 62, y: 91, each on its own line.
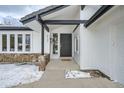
x: 98, y: 14
x: 33, y: 15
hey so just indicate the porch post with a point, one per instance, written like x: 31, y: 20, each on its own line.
x: 42, y: 41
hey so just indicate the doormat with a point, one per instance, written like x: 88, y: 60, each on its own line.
x: 66, y: 59
x: 75, y: 74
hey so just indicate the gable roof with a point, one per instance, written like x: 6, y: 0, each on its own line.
x: 7, y: 28
x: 42, y: 12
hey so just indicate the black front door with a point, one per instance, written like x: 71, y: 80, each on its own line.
x: 65, y: 45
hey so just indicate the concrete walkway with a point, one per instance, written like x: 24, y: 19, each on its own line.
x: 54, y: 78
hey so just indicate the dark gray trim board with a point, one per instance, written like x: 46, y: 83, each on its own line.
x: 64, y: 22
x: 15, y: 28
x: 82, y: 7
x: 28, y: 20
x: 42, y: 41
x: 38, y: 18
x: 75, y: 28
x: 98, y: 14
x: 42, y: 12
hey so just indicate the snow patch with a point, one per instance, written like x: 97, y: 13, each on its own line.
x: 12, y: 74
x: 76, y: 74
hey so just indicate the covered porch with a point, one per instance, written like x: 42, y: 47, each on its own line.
x: 56, y: 27
x: 91, y: 47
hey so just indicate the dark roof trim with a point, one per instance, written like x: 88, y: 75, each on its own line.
x: 64, y: 22
x: 38, y: 18
x: 7, y: 28
x: 82, y: 7
x: 42, y: 12
x: 28, y: 20
x: 98, y: 14
x: 75, y: 28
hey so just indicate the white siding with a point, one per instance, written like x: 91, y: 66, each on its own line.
x: 76, y: 55
x: 102, y: 44
x: 88, y: 11
x: 46, y: 42
x: 36, y: 36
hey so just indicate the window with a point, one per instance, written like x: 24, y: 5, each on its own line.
x: 19, y: 42
x: 27, y: 41
x: 4, y: 42
x: 76, y: 44
x: 55, y: 43
x: 15, y: 43
x: 12, y: 42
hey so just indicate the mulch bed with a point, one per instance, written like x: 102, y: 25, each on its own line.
x: 96, y: 73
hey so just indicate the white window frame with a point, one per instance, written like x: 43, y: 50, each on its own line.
x: 27, y: 44
x: 2, y: 43
x: 21, y: 43
x: 16, y: 42
x: 10, y: 42
x: 76, y: 47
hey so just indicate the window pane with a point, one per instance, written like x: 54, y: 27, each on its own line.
x: 27, y: 41
x: 55, y: 43
x: 4, y: 42
x: 12, y: 42
x: 19, y: 42
x: 77, y: 44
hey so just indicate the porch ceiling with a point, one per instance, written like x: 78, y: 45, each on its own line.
x: 68, y: 13
x: 53, y: 27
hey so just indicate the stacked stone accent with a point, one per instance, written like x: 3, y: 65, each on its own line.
x: 37, y: 59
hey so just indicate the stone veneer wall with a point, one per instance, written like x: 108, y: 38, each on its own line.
x: 18, y: 58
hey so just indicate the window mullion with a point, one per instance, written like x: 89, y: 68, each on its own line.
x: 23, y: 43
x: 8, y: 42
x: 16, y: 43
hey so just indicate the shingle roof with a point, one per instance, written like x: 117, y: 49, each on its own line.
x: 7, y: 28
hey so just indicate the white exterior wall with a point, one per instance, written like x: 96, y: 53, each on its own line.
x: 102, y: 44
x: 46, y: 42
x: 76, y: 55
x: 16, y: 45
x: 88, y: 11
x: 36, y: 38
x: 76, y: 33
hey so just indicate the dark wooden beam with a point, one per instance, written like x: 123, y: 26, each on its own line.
x: 28, y: 20
x: 98, y: 14
x: 38, y: 18
x: 82, y: 7
x: 75, y: 28
x: 42, y: 41
x: 64, y: 22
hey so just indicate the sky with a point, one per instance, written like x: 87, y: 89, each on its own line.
x: 18, y: 11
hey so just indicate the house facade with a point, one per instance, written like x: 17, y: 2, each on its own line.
x: 91, y: 35
x: 15, y: 39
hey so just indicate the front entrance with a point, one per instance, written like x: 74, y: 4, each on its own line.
x: 65, y: 45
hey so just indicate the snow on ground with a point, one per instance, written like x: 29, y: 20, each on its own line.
x: 76, y: 74
x: 12, y: 74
